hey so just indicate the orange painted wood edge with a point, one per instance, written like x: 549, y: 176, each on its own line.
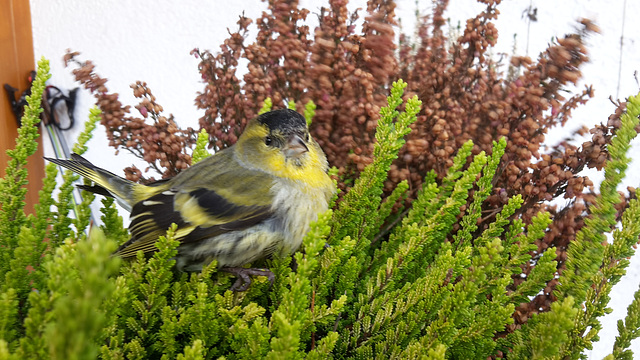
x: 16, y: 62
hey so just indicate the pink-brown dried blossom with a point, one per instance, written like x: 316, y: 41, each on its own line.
x: 162, y: 144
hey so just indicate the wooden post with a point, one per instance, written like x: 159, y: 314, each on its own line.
x: 16, y: 62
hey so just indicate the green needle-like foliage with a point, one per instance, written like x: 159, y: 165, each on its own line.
x: 83, y: 211
x: 592, y: 267
x: 309, y: 111
x: 628, y: 330
x: 266, y: 106
x: 74, y: 269
x: 12, y: 190
x: 200, y: 151
x: 357, y: 212
x: 370, y: 281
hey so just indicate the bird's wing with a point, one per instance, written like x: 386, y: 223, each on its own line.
x: 230, y: 201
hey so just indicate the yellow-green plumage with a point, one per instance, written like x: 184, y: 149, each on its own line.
x: 239, y: 205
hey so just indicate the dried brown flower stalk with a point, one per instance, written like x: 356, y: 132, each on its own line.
x: 162, y: 143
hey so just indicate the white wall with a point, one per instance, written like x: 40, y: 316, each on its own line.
x: 150, y: 40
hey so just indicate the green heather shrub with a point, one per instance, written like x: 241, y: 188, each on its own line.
x: 425, y: 287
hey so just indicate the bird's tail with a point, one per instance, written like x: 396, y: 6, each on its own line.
x: 106, y: 183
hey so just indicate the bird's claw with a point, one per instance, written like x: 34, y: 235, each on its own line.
x: 243, y: 276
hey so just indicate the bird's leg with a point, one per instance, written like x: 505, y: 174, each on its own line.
x: 243, y: 281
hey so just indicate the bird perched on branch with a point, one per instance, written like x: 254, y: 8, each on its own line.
x: 244, y: 203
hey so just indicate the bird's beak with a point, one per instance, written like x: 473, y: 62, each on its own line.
x: 295, y: 147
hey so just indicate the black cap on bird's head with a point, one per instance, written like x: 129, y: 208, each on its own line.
x: 278, y: 140
x: 284, y: 120
x: 287, y: 131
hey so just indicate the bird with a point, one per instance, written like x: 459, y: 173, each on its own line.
x: 252, y: 200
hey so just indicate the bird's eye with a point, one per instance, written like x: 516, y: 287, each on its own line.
x: 307, y: 137
x: 268, y: 140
